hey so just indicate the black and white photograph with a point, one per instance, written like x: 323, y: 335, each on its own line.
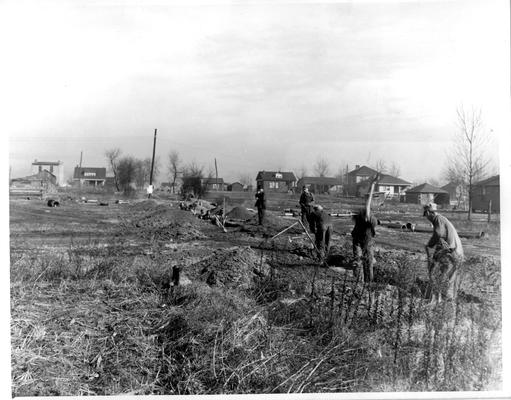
x: 289, y: 199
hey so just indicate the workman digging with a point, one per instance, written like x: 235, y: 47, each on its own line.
x: 445, y: 256
x: 306, y: 200
x: 322, y: 227
x: 363, y: 235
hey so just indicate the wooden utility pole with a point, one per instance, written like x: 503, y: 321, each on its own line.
x: 152, y: 162
x: 81, y: 156
x: 489, y: 210
x: 216, y: 175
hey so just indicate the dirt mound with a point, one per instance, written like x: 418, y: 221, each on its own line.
x: 241, y: 213
x: 160, y: 222
x: 146, y: 205
x: 233, y: 268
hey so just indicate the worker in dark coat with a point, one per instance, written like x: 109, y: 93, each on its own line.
x: 306, y: 200
x: 446, y: 258
x: 363, y: 235
x: 321, y: 225
x: 260, y: 204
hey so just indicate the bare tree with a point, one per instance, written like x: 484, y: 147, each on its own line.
x: 174, y: 168
x: 112, y: 156
x: 246, y: 179
x: 381, y: 166
x: 434, y: 182
x: 395, y: 170
x: 193, y: 176
x: 467, y: 161
x: 321, y: 167
x: 126, y: 172
x: 342, y: 174
x: 302, y: 172
x: 143, y: 171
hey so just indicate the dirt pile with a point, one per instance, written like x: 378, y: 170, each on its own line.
x: 232, y: 268
x: 159, y: 222
x: 240, y: 213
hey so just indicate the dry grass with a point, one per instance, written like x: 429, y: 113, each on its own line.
x: 97, y: 320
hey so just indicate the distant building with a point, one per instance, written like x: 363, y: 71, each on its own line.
x: 235, y: 187
x: 276, y: 181
x: 56, y: 168
x: 216, y: 184
x: 359, y: 174
x: 426, y: 193
x: 320, y: 184
x: 357, y: 183
x: 485, y: 191
x: 457, y: 194
x: 392, y: 186
x: 89, y: 176
x: 40, y: 183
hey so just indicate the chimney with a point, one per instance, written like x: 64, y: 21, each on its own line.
x: 357, y: 166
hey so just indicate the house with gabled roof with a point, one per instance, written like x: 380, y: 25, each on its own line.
x: 319, y: 184
x: 485, y: 191
x: 216, y: 184
x: 359, y: 174
x: 392, y: 186
x: 276, y: 181
x: 358, y: 183
x: 89, y: 176
x: 426, y: 193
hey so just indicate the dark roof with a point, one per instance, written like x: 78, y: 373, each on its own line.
x: 426, y: 188
x: 450, y: 185
x: 319, y: 180
x: 392, y: 180
x: 212, y: 181
x: 270, y: 176
x: 493, y: 181
x: 363, y: 171
x: 100, y: 173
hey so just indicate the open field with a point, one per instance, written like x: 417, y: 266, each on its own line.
x: 93, y: 310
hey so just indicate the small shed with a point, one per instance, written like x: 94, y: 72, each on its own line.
x: 485, y: 191
x: 426, y: 193
x: 235, y: 187
x: 319, y: 184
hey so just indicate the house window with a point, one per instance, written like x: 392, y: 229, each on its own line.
x: 89, y: 174
x: 278, y: 175
x: 274, y: 185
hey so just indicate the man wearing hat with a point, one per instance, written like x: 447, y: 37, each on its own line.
x: 306, y: 200
x: 445, y: 255
x: 322, y: 227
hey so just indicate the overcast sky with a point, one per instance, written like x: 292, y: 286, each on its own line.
x: 272, y: 85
